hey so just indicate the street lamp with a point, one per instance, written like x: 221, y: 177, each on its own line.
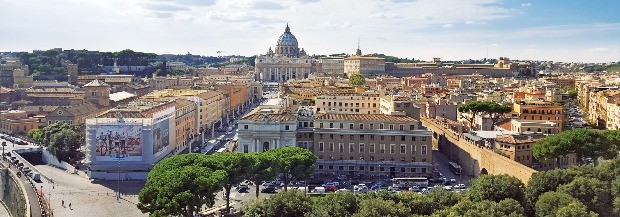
x: 118, y: 181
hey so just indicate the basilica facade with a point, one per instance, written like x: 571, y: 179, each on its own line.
x: 285, y: 63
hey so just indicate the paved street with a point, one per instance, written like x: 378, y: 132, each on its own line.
x: 443, y: 168
x: 89, y: 199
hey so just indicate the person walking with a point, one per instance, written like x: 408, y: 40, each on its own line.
x: 70, y: 206
x: 63, y: 203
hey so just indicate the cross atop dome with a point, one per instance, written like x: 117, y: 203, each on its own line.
x: 287, y: 30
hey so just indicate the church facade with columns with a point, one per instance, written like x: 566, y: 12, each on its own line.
x: 284, y: 63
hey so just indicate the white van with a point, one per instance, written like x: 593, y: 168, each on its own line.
x: 320, y: 190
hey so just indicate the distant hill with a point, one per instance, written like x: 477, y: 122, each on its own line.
x: 613, y: 68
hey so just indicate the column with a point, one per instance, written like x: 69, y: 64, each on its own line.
x: 273, y: 144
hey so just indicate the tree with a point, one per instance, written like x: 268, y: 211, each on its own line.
x: 585, y: 143
x: 550, y: 202
x: 593, y: 193
x: 381, y: 208
x: 284, y: 204
x: 496, y: 188
x: 293, y: 162
x: 429, y: 203
x: 179, y: 186
x: 506, y: 207
x: 238, y: 166
x: 356, y: 80
x: 65, y: 145
x: 493, y: 109
x: 36, y: 134
x: 263, y: 168
x: 545, y: 181
x: 575, y: 209
x: 334, y: 205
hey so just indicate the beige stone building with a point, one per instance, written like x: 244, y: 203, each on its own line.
x: 17, y: 122
x: 332, y: 66
x: 366, y: 66
x: 371, y: 145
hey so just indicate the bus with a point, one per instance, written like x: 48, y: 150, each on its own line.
x: 221, y: 150
x: 417, y: 181
x: 455, y: 168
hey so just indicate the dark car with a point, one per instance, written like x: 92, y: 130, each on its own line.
x: 269, y: 190
x: 243, y: 188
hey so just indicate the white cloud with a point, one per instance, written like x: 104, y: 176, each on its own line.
x: 599, y: 49
x: 526, y: 4
x: 447, y: 25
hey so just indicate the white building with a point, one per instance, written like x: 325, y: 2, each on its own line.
x: 261, y: 132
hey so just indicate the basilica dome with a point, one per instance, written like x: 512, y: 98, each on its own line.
x: 287, y: 39
x: 287, y: 44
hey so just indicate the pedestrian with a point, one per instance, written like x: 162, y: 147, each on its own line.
x: 63, y: 203
x: 70, y: 206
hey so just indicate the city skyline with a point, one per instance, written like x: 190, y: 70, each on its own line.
x: 526, y: 30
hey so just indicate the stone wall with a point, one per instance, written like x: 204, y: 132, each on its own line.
x: 13, y: 194
x: 473, y: 159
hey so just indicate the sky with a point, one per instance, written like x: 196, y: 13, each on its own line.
x: 557, y: 30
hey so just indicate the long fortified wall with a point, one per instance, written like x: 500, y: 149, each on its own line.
x: 473, y: 159
x: 13, y: 194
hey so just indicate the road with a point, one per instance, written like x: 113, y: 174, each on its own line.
x: 442, y: 166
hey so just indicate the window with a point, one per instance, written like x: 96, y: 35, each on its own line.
x: 331, y: 136
x: 392, y: 148
x: 361, y: 137
x: 361, y: 148
x: 286, y: 127
x: 320, y: 136
x: 341, y: 126
x: 320, y: 166
x: 372, y: 147
x: 331, y: 146
x: 403, y: 149
x: 341, y: 147
x: 380, y: 126
x: 413, y: 138
x: 391, y: 126
x: 423, y: 152
x: 351, y: 137
x: 402, y: 138
x: 371, y: 126
x: 351, y: 147
x: 361, y: 126
x: 320, y: 125
x: 321, y: 147
x: 412, y: 149
x: 382, y: 148
x: 411, y: 127
x: 402, y: 169
x: 331, y: 125
x: 402, y: 127
x: 423, y: 138
x: 245, y: 148
x: 351, y: 126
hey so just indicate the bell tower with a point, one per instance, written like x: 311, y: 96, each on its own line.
x: 97, y: 92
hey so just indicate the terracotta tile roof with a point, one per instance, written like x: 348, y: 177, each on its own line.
x: 271, y: 117
x: 520, y: 138
x: 96, y: 83
x: 35, y: 108
x: 83, y: 109
x: 363, y: 117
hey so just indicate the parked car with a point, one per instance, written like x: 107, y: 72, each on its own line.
x: 328, y: 184
x: 360, y: 188
x: 459, y: 186
x: 243, y: 188
x: 320, y: 190
x: 342, y: 190
x: 449, y: 188
x: 331, y: 188
x: 453, y: 180
x: 36, y: 177
x: 269, y: 189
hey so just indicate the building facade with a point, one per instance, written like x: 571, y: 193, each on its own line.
x: 261, y: 132
x: 371, y: 145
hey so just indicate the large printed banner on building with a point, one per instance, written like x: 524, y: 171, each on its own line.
x: 161, y: 137
x: 119, y: 143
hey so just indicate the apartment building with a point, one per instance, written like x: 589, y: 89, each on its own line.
x: 541, y: 110
x: 371, y: 144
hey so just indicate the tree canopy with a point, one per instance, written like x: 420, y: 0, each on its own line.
x: 585, y: 143
x: 293, y: 162
x: 356, y: 80
x: 493, y: 109
x: 63, y: 140
x: 180, y: 185
x: 496, y: 188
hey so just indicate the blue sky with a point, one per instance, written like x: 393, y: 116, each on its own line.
x: 568, y: 31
